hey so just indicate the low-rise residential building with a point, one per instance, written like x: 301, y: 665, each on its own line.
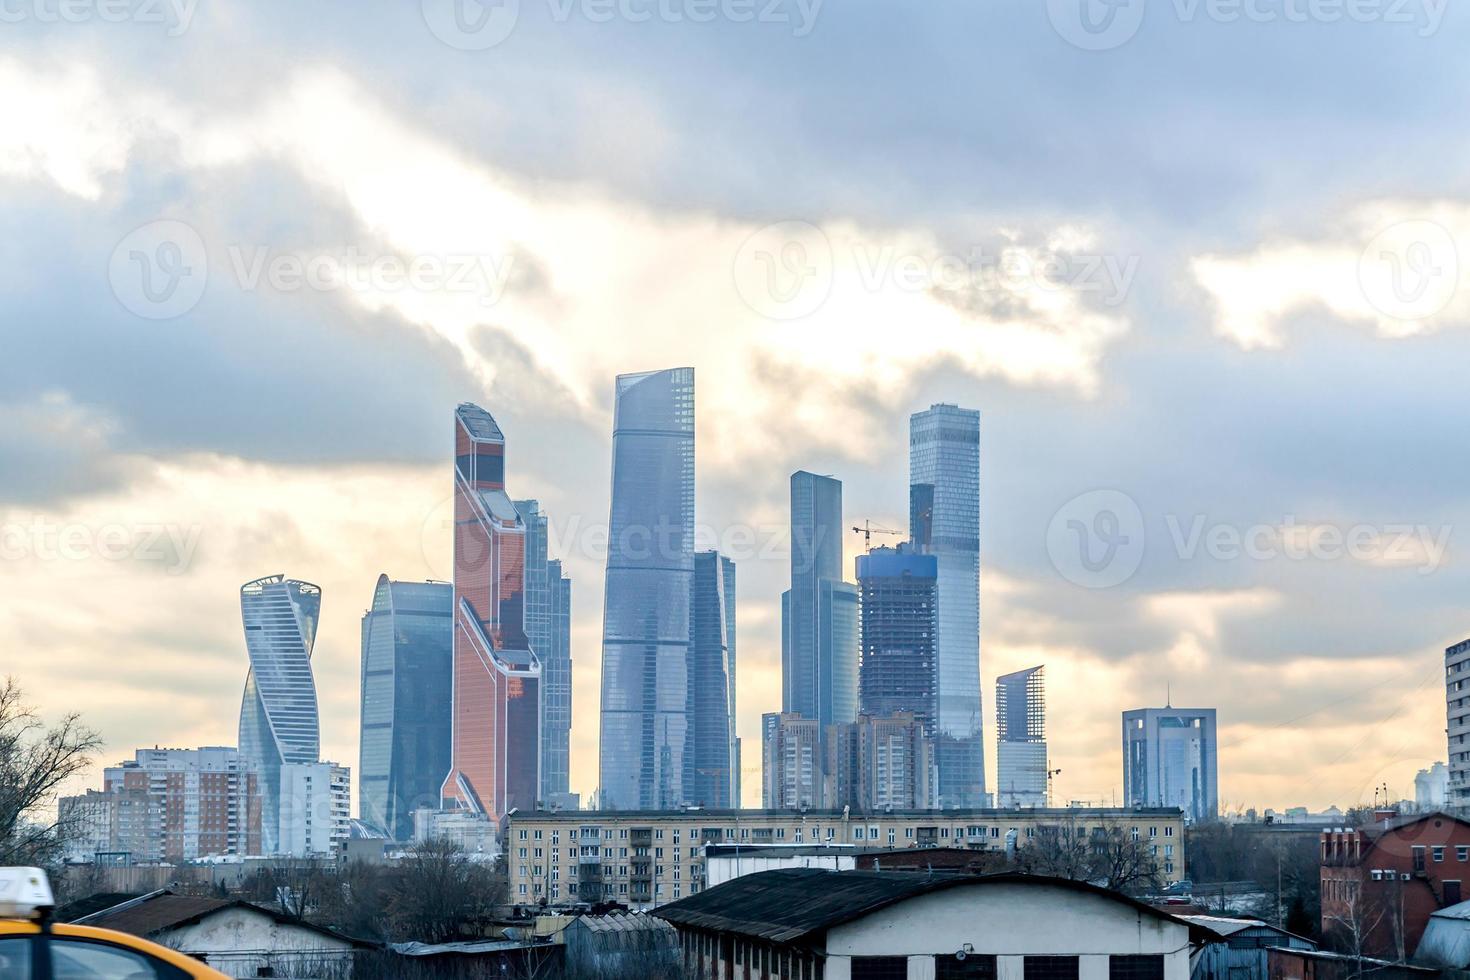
x: 800, y: 924
x: 645, y: 859
x: 1381, y: 884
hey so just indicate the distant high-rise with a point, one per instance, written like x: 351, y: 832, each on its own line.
x: 549, y: 629
x: 819, y: 642
x: 1170, y: 758
x: 881, y: 763
x: 898, y: 614
x: 1457, y: 708
x: 495, y: 719
x: 278, y: 713
x: 791, y: 764
x: 650, y: 565
x: 944, y: 521
x: 713, y: 760
x: 407, y: 680
x: 1020, y: 733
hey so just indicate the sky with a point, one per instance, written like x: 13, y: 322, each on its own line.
x: 1201, y: 264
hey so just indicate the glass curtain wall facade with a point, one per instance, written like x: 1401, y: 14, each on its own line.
x: 407, y: 679
x: 1170, y: 758
x: 944, y: 521
x: 1020, y: 733
x: 819, y: 642
x: 548, y: 627
x: 495, y: 717
x: 713, y: 759
x: 650, y: 565
x: 278, y: 713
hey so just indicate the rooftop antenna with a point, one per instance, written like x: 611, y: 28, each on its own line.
x: 1168, y: 694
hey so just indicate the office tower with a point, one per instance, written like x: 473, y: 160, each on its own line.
x: 407, y: 680
x: 1457, y: 708
x: 549, y: 629
x: 713, y: 763
x: 791, y: 765
x: 495, y: 719
x: 168, y: 805
x: 1170, y: 758
x: 819, y: 656
x: 897, y: 673
x: 881, y: 763
x: 278, y: 714
x: 650, y: 566
x: 944, y: 518
x: 1020, y: 733
x: 316, y: 808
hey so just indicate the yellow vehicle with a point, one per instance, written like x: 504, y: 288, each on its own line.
x: 32, y: 948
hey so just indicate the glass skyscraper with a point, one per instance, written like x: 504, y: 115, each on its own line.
x: 278, y: 713
x: 944, y: 521
x: 549, y: 629
x: 650, y: 565
x: 407, y: 680
x: 1170, y: 758
x: 495, y: 718
x: 819, y: 614
x: 899, y: 627
x: 713, y: 775
x: 1021, y: 767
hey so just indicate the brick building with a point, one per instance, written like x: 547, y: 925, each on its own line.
x: 1380, y: 884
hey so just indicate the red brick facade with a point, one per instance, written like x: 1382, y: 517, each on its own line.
x: 1380, y: 884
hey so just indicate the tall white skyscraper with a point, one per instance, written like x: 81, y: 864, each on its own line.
x: 944, y: 521
x: 278, y: 713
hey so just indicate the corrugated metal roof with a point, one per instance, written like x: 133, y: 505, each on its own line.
x: 793, y: 904
x: 1225, y: 926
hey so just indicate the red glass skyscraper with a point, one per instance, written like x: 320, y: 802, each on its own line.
x: 496, y: 711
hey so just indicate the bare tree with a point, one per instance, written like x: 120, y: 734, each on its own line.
x: 1107, y: 856
x: 438, y: 892
x: 35, y: 762
x: 1351, y: 923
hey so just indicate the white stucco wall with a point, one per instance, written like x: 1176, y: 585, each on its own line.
x: 1010, y: 922
x: 237, y: 941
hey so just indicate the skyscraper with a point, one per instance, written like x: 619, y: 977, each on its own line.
x: 278, y: 713
x: 819, y: 642
x: 1020, y: 733
x: 791, y: 763
x: 898, y: 611
x: 549, y: 629
x: 1457, y: 717
x: 407, y: 679
x: 944, y: 521
x: 1170, y: 758
x: 495, y: 727
x: 650, y: 565
x: 713, y: 758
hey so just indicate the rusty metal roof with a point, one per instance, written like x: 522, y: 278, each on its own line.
x: 796, y: 905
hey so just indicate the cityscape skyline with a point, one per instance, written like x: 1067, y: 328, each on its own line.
x: 749, y: 769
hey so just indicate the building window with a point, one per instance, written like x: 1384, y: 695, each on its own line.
x: 880, y: 968
x: 1051, y: 968
x: 1135, y: 968
x: 1418, y: 858
x: 1438, y: 854
x: 972, y: 967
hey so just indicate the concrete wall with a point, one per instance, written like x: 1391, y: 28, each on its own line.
x: 1009, y: 921
x: 238, y: 941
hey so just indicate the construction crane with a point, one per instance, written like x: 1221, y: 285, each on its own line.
x: 869, y: 529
